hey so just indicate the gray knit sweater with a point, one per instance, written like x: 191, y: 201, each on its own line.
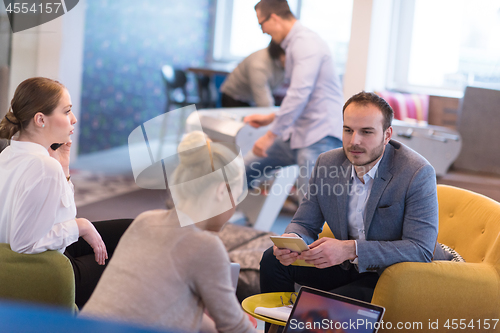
x: 164, y: 275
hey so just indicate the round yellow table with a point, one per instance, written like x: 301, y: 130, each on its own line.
x: 268, y: 300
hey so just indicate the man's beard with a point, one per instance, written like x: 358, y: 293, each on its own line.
x: 372, y: 157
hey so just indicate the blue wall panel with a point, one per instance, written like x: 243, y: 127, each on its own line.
x: 126, y: 44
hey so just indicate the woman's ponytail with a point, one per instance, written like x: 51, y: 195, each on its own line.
x: 9, y: 126
x: 37, y: 94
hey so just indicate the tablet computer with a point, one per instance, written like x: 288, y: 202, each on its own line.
x: 295, y: 244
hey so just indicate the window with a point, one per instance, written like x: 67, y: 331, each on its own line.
x: 447, y: 44
x: 331, y: 19
x: 246, y: 35
x: 237, y: 32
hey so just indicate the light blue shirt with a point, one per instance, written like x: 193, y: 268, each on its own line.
x: 358, y: 197
x: 312, y: 107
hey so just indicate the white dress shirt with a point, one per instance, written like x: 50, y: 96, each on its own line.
x: 37, y: 205
x: 358, y: 197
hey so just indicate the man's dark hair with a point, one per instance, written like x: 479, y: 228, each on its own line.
x: 275, y: 50
x: 365, y: 98
x: 278, y: 7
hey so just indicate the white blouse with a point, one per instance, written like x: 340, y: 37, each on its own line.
x: 37, y: 204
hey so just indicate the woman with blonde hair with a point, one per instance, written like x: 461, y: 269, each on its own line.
x: 37, y: 206
x: 170, y: 267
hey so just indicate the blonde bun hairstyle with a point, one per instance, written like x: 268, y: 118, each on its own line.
x: 198, y: 157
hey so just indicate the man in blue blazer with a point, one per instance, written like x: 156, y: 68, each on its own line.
x: 379, y: 199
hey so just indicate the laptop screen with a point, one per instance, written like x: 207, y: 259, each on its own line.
x: 319, y: 311
x: 235, y: 273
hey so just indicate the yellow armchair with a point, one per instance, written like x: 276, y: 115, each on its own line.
x: 458, y: 294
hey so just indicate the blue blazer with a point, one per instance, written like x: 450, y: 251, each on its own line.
x: 401, y: 222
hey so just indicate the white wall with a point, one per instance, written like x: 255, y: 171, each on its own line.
x: 369, y: 46
x: 53, y: 50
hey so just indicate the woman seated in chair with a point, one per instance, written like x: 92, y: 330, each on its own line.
x: 170, y: 266
x: 37, y: 206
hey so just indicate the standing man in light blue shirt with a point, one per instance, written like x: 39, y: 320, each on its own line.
x: 309, y: 120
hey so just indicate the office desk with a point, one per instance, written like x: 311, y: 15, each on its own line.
x: 214, y: 68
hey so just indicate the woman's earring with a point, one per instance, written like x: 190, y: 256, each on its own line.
x: 43, y: 125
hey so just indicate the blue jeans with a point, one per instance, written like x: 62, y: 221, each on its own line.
x: 281, y: 155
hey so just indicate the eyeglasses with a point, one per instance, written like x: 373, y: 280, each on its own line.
x: 265, y: 20
x: 291, y: 302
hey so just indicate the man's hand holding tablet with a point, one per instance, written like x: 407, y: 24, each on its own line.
x: 288, y: 247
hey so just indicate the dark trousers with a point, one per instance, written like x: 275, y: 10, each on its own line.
x: 87, y: 271
x: 229, y: 102
x: 274, y: 277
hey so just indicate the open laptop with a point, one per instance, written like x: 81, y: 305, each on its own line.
x: 319, y: 311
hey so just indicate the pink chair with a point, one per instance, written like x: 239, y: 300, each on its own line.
x: 407, y: 107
